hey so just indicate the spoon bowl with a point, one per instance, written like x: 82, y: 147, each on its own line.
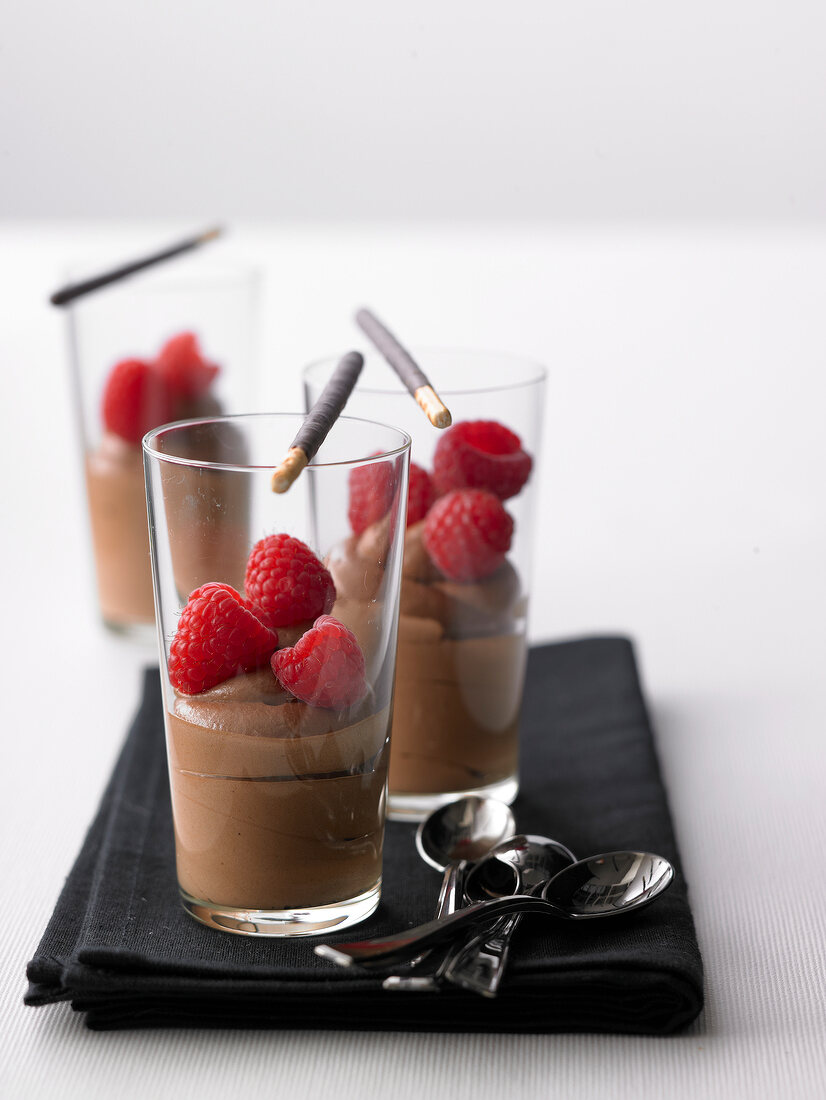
x: 521, y: 864
x: 605, y: 885
x: 466, y: 829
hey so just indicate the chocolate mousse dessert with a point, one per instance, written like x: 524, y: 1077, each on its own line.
x: 278, y: 748
x: 459, y: 679
x: 461, y: 652
x: 277, y: 802
x: 139, y: 395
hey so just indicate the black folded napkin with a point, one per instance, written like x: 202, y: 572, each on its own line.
x: 121, y: 949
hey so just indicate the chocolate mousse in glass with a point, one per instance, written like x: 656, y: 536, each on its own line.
x: 277, y: 670
x: 466, y: 573
x: 168, y: 344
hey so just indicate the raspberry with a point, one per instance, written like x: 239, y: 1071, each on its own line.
x: 217, y: 637
x: 481, y: 454
x: 467, y: 534
x: 135, y: 400
x: 420, y: 494
x: 183, y: 367
x: 371, y: 494
x: 325, y: 667
x: 285, y: 582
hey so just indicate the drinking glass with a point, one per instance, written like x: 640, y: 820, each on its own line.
x: 277, y: 637
x: 191, y: 312
x: 462, y: 637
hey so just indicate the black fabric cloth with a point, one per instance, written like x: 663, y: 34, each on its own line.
x: 120, y: 947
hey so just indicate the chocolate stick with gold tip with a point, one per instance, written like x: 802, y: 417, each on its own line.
x: 69, y: 293
x: 406, y: 368
x: 319, y: 421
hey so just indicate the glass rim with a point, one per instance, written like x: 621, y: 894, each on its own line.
x: 176, y: 425
x: 539, y: 373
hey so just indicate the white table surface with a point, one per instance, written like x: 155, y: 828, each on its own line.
x: 684, y: 505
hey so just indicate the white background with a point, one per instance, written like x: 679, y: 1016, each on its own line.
x: 682, y: 504
x: 630, y: 192
x: 442, y: 108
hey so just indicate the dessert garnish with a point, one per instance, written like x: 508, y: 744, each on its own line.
x: 73, y: 291
x: 135, y: 400
x: 217, y: 636
x: 481, y: 454
x: 285, y: 583
x: 372, y: 489
x: 325, y: 667
x: 421, y: 493
x: 318, y: 421
x: 140, y: 394
x: 371, y: 494
x: 467, y: 534
x: 183, y: 368
x: 405, y: 367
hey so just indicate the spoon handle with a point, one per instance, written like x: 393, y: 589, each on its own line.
x: 450, y: 899
x: 433, y: 982
x: 405, y: 944
x: 452, y: 889
x: 480, y: 963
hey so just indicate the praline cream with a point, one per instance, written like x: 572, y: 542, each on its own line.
x: 204, y: 540
x: 277, y: 804
x: 120, y: 537
x: 459, y: 675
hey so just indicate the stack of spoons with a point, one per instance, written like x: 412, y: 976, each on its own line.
x: 493, y: 876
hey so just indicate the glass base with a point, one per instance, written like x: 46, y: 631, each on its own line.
x: 144, y: 634
x: 402, y: 806
x: 283, y: 922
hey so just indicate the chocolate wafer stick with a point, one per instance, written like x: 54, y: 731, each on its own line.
x: 319, y: 421
x: 405, y: 367
x: 69, y: 293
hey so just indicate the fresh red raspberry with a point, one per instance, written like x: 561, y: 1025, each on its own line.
x: 467, y: 534
x: 325, y: 667
x: 135, y: 400
x: 481, y: 454
x: 285, y: 582
x: 371, y: 494
x: 183, y: 367
x: 420, y: 494
x: 217, y: 637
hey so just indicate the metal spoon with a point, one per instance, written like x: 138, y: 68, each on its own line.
x: 602, y: 886
x: 448, y: 839
x: 521, y: 865
x: 458, y: 832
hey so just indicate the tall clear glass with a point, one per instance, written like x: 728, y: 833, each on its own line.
x: 171, y: 343
x: 462, y: 632
x: 278, y: 647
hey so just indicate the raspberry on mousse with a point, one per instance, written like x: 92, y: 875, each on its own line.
x: 467, y: 534
x: 371, y: 494
x: 325, y: 667
x: 182, y: 366
x: 135, y: 399
x: 285, y: 583
x: 140, y: 394
x: 221, y: 634
x: 421, y: 493
x: 217, y: 636
x: 481, y: 454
